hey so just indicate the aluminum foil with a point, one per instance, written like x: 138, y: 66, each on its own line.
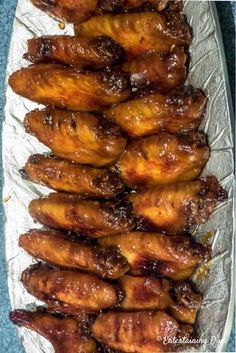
x: 207, y: 71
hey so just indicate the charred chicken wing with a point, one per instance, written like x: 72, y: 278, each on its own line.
x: 63, y: 175
x: 160, y: 71
x: 78, y: 137
x: 93, y: 218
x: 69, y: 88
x: 174, y: 257
x: 77, y: 290
x: 76, y: 51
x: 65, y: 334
x: 174, y: 208
x: 64, y: 251
x: 163, y: 159
x: 139, y: 332
x: 140, y: 32
x: 180, y: 111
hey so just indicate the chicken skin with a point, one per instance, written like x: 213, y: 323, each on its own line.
x: 160, y: 71
x: 77, y: 290
x: 64, y: 251
x: 174, y: 257
x: 176, y: 207
x: 138, y: 33
x: 163, y: 159
x: 62, y: 175
x: 81, y: 52
x: 74, y: 11
x: 65, y: 334
x: 92, y: 218
x: 136, y: 332
x: 180, y: 111
x: 68, y: 88
x: 78, y: 137
x: 150, y: 293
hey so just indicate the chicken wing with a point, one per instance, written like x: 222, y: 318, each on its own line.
x: 138, y: 33
x: 150, y: 293
x: 139, y: 332
x: 77, y: 11
x: 65, y: 334
x: 64, y: 251
x: 174, y: 208
x: 180, y: 111
x: 78, y: 137
x: 69, y: 88
x: 92, y: 218
x: 76, y: 51
x: 163, y: 159
x: 160, y: 71
x: 63, y: 175
x: 77, y: 290
x: 174, y: 257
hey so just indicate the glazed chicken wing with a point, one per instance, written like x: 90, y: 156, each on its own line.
x: 136, y: 332
x: 159, y: 71
x: 76, y: 51
x: 163, y: 159
x: 77, y: 290
x: 140, y: 32
x: 69, y: 88
x: 64, y: 251
x: 150, y: 293
x: 78, y: 137
x: 63, y: 175
x: 66, y: 334
x: 174, y: 257
x: 92, y: 218
x: 180, y: 111
x: 174, y: 208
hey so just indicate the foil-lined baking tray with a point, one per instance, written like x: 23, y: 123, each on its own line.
x: 207, y: 71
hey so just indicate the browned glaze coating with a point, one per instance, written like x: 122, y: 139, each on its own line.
x: 74, y: 11
x: 76, y: 51
x: 78, y: 137
x: 159, y: 71
x: 63, y: 175
x: 92, y: 218
x: 65, y: 334
x: 150, y: 293
x: 136, y: 332
x: 78, y: 290
x: 186, y: 304
x: 68, y: 88
x: 180, y: 111
x: 163, y: 159
x: 140, y: 32
x: 159, y: 5
x: 174, y: 257
x: 64, y: 251
x: 124, y: 5
x: 174, y: 208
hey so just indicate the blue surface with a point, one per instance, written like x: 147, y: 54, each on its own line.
x: 9, y: 342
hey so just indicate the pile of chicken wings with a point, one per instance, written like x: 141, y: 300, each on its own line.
x: 126, y: 154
